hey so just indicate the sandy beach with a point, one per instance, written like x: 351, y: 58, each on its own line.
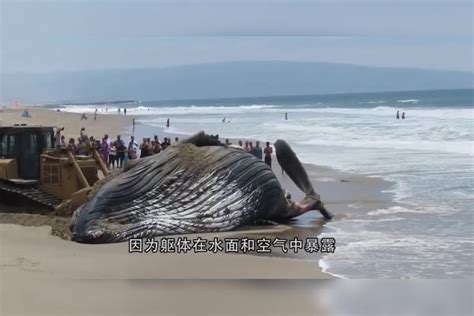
x: 34, y: 261
x: 72, y: 123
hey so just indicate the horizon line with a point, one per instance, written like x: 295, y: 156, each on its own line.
x: 235, y: 61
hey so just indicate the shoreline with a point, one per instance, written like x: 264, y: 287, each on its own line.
x: 329, y: 182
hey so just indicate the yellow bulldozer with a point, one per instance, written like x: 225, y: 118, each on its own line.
x: 33, y: 170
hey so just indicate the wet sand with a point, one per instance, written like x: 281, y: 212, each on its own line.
x: 35, y: 264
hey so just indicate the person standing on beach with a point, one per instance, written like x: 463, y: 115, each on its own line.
x: 149, y: 145
x: 125, y: 157
x: 90, y: 145
x: 257, y: 150
x: 156, y: 148
x: 106, y: 136
x: 125, y: 111
x: 247, y: 147
x: 132, y: 148
x: 133, y: 124
x: 72, y: 145
x: 168, y: 123
x: 240, y: 144
x: 81, y: 146
x: 120, y: 147
x: 143, y: 149
x: 104, y: 152
x: 62, y: 142
x: 112, y: 155
x: 165, y: 144
x: 403, y: 115
x: 398, y: 115
x: 268, y: 154
x: 57, y: 138
x: 176, y: 140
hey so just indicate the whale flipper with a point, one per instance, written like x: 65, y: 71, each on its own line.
x: 290, y: 163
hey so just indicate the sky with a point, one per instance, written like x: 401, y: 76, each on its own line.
x: 76, y: 35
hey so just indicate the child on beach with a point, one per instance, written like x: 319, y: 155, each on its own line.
x: 72, y: 145
x: 126, y: 157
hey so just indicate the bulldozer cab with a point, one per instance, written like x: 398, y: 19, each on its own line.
x: 31, y: 170
x: 21, y: 147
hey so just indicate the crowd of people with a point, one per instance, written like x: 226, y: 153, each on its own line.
x: 115, y: 153
x: 257, y: 151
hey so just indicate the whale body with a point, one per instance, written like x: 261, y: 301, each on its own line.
x: 196, y: 186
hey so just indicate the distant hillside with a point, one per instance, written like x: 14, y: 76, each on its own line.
x: 222, y: 80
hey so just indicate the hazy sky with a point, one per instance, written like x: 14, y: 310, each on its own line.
x: 41, y: 36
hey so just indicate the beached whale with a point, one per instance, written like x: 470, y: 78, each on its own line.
x: 196, y: 186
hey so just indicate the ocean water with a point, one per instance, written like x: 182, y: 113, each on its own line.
x: 428, y: 231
